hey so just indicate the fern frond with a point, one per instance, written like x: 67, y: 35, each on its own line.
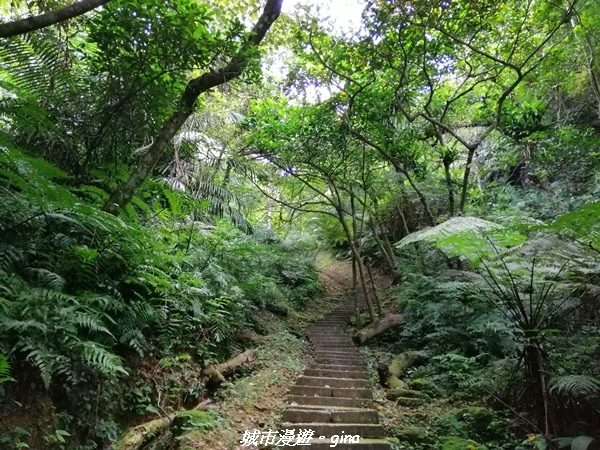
x: 575, y: 386
x: 100, y: 358
x: 451, y: 227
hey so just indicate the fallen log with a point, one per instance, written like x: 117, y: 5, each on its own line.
x: 142, y: 434
x: 216, y: 373
x: 378, y: 327
x: 241, y: 337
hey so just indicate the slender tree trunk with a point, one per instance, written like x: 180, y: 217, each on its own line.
x: 387, y: 245
x: 355, y: 292
x: 50, y: 18
x: 389, y: 263
x: 356, y: 256
x: 125, y: 192
x: 375, y: 296
x: 403, y: 219
x: 422, y: 198
x: 363, y: 283
x: 450, y: 186
x: 465, y: 183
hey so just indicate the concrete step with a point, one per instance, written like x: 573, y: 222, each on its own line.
x: 339, y: 368
x: 295, y: 400
x: 342, y: 353
x: 363, y: 444
x: 365, y: 431
x: 323, y: 415
x: 335, y: 372
x: 321, y: 391
x: 332, y: 382
x: 334, y: 347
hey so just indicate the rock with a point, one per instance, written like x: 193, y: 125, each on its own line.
x: 412, y: 434
x: 396, y: 383
x: 401, y: 363
x: 409, y: 401
x: 426, y: 386
x: 394, y: 394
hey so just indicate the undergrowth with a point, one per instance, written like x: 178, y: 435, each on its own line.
x: 92, y: 306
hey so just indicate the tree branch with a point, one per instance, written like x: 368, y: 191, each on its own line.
x: 238, y: 63
x: 50, y: 18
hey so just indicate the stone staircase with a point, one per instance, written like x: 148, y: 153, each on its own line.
x: 333, y: 397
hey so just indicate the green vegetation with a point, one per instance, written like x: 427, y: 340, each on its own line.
x: 169, y: 172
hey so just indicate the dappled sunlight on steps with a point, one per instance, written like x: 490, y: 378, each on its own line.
x: 333, y: 396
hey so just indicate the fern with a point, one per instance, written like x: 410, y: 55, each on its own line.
x: 576, y: 386
x: 4, y: 369
x: 99, y: 357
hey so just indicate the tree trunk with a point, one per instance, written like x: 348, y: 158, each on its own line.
x: 216, y: 373
x: 125, y: 192
x: 422, y: 198
x: 375, y: 296
x: 372, y: 330
x: 450, y: 187
x: 382, y: 249
x: 465, y: 183
x: 50, y: 18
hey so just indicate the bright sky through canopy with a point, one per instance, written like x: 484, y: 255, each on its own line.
x: 343, y: 14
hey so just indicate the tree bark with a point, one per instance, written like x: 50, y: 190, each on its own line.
x: 374, y: 287
x: 216, y: 372
x: 372, y: 330
x: 465, y: 183
x: 449, y: 185
x: 50, y: 18
x: 382, y: 248
x: 125, y: 192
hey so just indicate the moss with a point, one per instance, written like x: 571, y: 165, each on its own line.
x: 396, y: 383
x: 189, y: 420
x: 412, y: 434
x: 456, y: 443
x: 409, y: 401
x: 424, y: 385
x: 393, y: 394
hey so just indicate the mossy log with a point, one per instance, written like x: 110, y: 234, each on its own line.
x: 244, y: 336
x: 216, y: 373
x: 142, y: 434
x: 158, y: 434
x: 378, y: 327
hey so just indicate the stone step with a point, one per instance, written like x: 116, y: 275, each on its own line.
x: 320, y: 353
x: 338, y: 353
x: 332, y: 382
x: 334, y: 347
x: 360, y: 362
x: 363, y: 444
x: 325, y: 370
x: 322, y: 391
x: 343, y: 367
x: 302, y: 415
x: 365, y: 431
x: 295, y: 400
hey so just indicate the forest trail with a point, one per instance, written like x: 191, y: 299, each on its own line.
x: 333, y: 398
